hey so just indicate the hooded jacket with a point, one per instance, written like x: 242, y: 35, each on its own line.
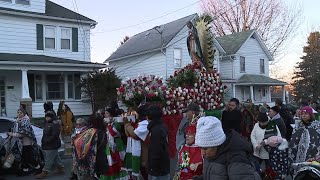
x: 231, y: 161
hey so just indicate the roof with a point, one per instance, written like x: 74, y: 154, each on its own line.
x: 55, y: 10
x: 233, y: 42
x: 41, y: 59
x: 151, y: 39
x: 253, y: 79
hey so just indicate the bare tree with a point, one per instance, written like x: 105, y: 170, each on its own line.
x: 273, y: 19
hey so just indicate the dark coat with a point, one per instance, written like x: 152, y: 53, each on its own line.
x: 288, y: 119
x: 101, y: 166
x: 232, y: 120
x: 231, y: 162
x: 51, y: 136
x: 282, y: 127
x: 158, y: 152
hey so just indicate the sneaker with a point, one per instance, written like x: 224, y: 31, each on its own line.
x: 59, y: 170
x: 42, y: 175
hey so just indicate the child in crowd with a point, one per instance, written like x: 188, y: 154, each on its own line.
x: 51, y: 142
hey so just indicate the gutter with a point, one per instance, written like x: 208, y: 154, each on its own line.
x: 136, y: 54
x: 47, y: 17
x: 52, y: 64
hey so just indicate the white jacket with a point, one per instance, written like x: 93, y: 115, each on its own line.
x: 257, y: 136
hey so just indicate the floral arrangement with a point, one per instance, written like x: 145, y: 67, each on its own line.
x: 148, y: 87
x: 192, y: 83
x: 206, y: 91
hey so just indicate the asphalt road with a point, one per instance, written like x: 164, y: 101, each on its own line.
x: 66, y: 176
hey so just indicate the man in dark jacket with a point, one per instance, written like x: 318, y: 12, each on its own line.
x: 232, y: 116
x: 287, y: 118
x: 158, y: 152
x: 50, y: 143
x: 225, y: 153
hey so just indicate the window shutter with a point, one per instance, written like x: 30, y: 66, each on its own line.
x: 75, y: 39
x: 39, y: 37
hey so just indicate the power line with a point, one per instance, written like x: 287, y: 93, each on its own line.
x: 143, y: 22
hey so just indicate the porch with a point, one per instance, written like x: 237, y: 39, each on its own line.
x: 35, y: 79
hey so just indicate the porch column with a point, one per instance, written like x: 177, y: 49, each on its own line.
x: 25, y: 95
x: 269, y: 94
x: 25, y: 85
x: 251, y: 94
x: 283, y: 95
x: 234, y: 90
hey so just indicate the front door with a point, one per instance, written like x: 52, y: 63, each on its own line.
x: 2, y: 98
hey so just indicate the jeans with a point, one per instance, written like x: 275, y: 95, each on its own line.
x: 165, y: 177
x: 52, y: 158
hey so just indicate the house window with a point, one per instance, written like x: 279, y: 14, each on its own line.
x: 262, y: 66
x: 242, y: 64
x: 65, y: 38
x: 50, y: 37
x: 263, y: 92
x: 55, y: 86
x: 38, y: 87
x: 74, y: 88
x: 23, y: 2
x: 177, y: 58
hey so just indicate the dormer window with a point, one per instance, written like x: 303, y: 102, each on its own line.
x: 23, y: 2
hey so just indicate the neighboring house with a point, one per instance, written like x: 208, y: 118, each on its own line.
x: 158, y: 51
x: 44, y: 49
x: 241, y: 58
x: 244, y: 67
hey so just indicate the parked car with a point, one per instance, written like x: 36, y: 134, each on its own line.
x: 7, y: 123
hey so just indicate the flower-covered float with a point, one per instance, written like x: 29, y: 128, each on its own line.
x: 198, y: 82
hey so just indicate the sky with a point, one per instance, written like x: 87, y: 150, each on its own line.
x: 119, y: 18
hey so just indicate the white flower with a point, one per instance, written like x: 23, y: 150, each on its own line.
x: 179, y: 94
x: 214, y: 107
x: 167, y: 92
x: 181, y: 105
x: 188, y: 97
x: 196, y: 90
x: 195, y: 84
x: 156, y: 93
x: 164, y: 112
x: 168, y: 102
x: 174, y: 111
x: 221, y: 104
x: 190, y: 100
x: 169, y: 112
x: 182, y: 98
x: 177, y: 103
x: 143, y: 82
x: 139, y: 92
x: 202, y: 100
x: 198, y: 98
x: 146, y: 88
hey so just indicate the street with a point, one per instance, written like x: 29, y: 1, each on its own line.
x: 67, y: 165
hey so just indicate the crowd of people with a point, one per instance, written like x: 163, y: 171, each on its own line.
x: 245, y: 143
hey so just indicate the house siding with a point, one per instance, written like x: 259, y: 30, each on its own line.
x: 178, y: 42
x: 253, y: 52
x: 150, y: 64
x: 37, y: 6
x: 18, y: 35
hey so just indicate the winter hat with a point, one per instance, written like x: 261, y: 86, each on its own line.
x: 308, y: 110
x: 191, y: 129
x: 273, y: 141
x: 209, y: 132
x: 263, y: 109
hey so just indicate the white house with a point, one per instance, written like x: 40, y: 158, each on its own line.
x: 44, y: 49
x: 244, y: 68
x: 158, y: 51
x: 163, y: 49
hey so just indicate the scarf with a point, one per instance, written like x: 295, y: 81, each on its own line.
x: 23, y: 126
x: 277, y: 116
x: 133, y: 151
x: 115, y: 144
